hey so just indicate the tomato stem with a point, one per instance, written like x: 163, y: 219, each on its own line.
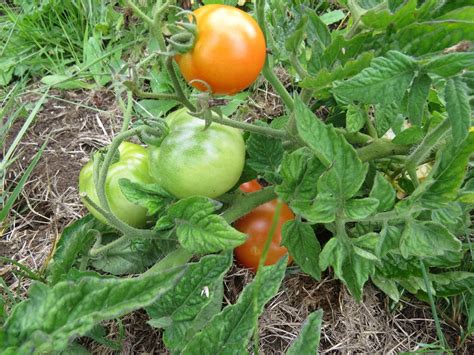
x: 388, y: 216
x: 103, y: 206
x: 381, y: 148
x: 155, y: 25
x: 177, y: 86
x: 428, y: 144
x: 265, y: 131
x: 127, y: 111
x: 139, y: 12
x: 177, y: 257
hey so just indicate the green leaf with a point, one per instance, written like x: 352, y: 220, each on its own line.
x: 65, y: 82
x: 388, y: 286
x: 154, y: 108
x: 184, y: 301
x: 383, y: 191
x: 201, y: 231
x: 132, y: 257
x: 93, y: 55
x: 428, y: 37
x: 308, y: 339
x: 299, y: 171
x: 411, y: 135
x: 349, y: 267
x: 229, y: 331
x: 356, y: 118
x: 319, y: 29
x: 417, y: 98
x: 385, y: 81
x: 453, y: 217
x: 385, y: 116
x: 153, y: 197
x: 427, y: 239
x: 452, y: 283
x: 346, y: 172
x: 265, y: 153
x: 75, y: 240
x: 360, y: 208
x: 235, y: 101
x: 303, y: 246
x: 450, y: 64
x: 51, y: 316
x: 341, y: 50
x: 181, y: 308
x: 325, y: 77
x: 458, y: 108
x: 449, y: 171
x: 381, y: 19
x: 294, y: 40
x: 389, y: 240
x: 332, y: 17
x: 178, y: 334
x: 465, y: 13
x: 321, y: 210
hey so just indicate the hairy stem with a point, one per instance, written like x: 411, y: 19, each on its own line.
x: 104, y: 207
x: 177, y: 86
x: 127, y: 112
x: 155, y: 28
x: 139, y: 12
x: 173, y: 259
x: 265, y: 131
x: 427, y: 145
x: 381, y: 148
x: 388, y: 216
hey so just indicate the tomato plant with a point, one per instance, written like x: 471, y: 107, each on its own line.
x: 257, y: 225
x: 132, y: 165
x: 194, y: 160
x: 401, y: 67
x: 229, y: 52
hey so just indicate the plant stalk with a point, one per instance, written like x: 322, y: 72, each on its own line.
x: 429, y: 142
x: 265, y: 131
x: 381, y: 148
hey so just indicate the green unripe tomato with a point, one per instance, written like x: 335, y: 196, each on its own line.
x: 132, y: 165
x: 194, y: 161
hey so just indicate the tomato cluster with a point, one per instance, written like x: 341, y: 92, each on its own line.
x: 193, y: 159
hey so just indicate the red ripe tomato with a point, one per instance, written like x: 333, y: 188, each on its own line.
x: 229, y: 52
x: 256, y: 225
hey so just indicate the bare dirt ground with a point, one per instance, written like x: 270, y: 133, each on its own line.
x: 78, y: 122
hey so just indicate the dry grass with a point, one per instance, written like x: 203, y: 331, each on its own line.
x: 76, y: 123
x: 50, y: 201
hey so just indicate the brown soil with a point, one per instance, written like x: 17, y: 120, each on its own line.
x: 50, y: 201
x: 74, y: 123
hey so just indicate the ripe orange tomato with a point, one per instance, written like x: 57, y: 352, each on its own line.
x: 229, y: 52
x: 256, y: 225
